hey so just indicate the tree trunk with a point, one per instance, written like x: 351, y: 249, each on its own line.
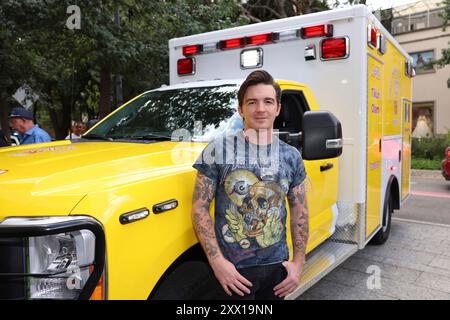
x: 4, y: 118
x: 105, y: 92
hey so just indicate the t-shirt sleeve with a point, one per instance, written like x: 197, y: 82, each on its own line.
x: 298, y: 167
x: 206, y: 164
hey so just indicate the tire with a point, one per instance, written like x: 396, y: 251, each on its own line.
x: 192, y: 280
x: 383, y: 234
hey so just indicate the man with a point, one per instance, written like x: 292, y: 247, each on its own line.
x: 77, y: 130
x: 21, y: 121
x: 246, y: 246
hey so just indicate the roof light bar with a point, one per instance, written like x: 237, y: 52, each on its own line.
x: 261, y: 39
x: 324, y: 30
x: 192, y: 50
x: 232, y: 43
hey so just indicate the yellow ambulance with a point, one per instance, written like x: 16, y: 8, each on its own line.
x: 108, y: 216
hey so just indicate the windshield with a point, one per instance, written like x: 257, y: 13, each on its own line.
x: 204, y: 112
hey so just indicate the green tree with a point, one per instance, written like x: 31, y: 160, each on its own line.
x: 264, y: 10
x: 445, y: 59
x: 73, y: 70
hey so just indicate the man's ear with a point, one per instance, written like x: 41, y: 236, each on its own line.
x: 278, y: 108
x: 241, y: 113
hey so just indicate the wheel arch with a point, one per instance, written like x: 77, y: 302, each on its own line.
x: 194, y: 253
x: 394, y: 188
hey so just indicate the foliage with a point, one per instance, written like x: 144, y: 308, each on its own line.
x: 430, y: 148
x: 265, y: 10
x: 65, y: 67
x: 426, y: 164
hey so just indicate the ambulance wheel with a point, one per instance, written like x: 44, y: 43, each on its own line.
x: 192, y: 280
x: 383, y: 234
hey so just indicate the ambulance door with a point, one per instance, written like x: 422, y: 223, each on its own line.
x: 322, y: 175
x: 374, y: 135
x: 406, y: 148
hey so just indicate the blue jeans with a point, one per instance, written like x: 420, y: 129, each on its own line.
x: 263, y: 279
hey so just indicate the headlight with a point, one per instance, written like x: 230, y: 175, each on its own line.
x: 64, y: 255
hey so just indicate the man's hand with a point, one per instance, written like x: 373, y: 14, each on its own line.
x: 292, y: 280
x: 224, y: 270
x: 230, y: 279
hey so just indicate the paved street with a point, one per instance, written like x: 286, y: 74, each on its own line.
x: 413, y: 264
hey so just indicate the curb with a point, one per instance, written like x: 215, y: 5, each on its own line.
x: 434, y: 174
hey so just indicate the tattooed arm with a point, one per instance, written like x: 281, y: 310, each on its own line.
x: 224, y: 270
x: 300, y: 231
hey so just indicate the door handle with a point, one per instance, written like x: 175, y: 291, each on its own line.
x: 326, y: 167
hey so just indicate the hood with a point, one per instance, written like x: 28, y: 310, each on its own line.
x: 51, y: 178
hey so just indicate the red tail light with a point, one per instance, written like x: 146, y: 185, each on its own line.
x: 335, y: 48
x: 192, y: 50
x: 324, y: 30
x: 260, y: 39
x: 448, y: 152
x: 232, y: 43
x: 186, y: 66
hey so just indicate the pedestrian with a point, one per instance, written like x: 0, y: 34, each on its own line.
x: 77, y: 130
x: 21, y: 121
x: 246, y: 245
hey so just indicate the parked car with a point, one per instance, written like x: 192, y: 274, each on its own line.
x: 446, y: 164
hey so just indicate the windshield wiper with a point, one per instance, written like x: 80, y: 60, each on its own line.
x: 97, y: 137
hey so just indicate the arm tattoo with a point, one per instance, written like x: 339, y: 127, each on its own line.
x: 299, y: 219
x: 204, y: 192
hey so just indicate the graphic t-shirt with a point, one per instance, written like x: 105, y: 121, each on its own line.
x: 250, y: 207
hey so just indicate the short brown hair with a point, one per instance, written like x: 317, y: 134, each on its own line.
x: 258, y: 77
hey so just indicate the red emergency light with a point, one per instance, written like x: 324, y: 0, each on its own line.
x: 186, y: 66
x: 192, y: 50
x: 260, y: 39
x: 232, y: 43
x: 323, y: 30
x: 334, y: 48
x: 373, y: 37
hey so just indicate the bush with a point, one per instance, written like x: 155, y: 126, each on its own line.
x: 427, y: 164
x: 430, y: 148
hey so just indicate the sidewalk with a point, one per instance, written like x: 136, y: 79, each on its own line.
x: 414, y: 264
x: 432, y: 174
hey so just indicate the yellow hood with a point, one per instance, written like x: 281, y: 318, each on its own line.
x: 51, y: 178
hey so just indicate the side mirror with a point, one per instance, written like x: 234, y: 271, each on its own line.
x: 322, y: 136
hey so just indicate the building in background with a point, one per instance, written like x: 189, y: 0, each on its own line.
x: 418, y: 29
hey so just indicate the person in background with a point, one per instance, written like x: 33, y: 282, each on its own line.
x: 21, y: 121
x: 77, y: 130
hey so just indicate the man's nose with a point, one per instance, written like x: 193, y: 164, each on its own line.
x: 260, y: 106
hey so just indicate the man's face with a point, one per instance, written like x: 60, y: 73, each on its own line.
x: 78, y: 129
x: 18, y: 125
x: 260, y: 107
